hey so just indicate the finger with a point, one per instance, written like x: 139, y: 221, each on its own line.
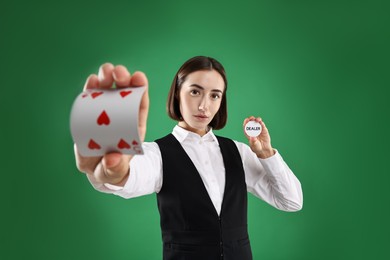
x: 106, y: 75
x: 261, y: 122
x: 121, y: 76
x: 139, y: 79
x: 92, y: 82
x: 143, y: 114
x: 246, y: 120
x: 263, y: 126
x: 252, y: 140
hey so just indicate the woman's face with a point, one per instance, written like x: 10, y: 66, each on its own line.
x: 200, y: 99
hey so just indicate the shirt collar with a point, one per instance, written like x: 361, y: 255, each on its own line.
x: 182, y: 135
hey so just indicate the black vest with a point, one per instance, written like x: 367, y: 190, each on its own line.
x: 190, y: 225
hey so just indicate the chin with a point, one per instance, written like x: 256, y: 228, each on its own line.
x: 199, y: 126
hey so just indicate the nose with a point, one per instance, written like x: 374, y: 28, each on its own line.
x: 203, y: 106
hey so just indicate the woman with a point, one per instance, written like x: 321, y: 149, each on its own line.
x: 201, y: 180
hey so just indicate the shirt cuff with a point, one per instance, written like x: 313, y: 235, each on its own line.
x: 113, y: 187
x: 102, y: 187
x: 273, y: 163
x: 128, y: 189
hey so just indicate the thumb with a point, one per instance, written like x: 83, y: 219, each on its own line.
x: 116, y: 165
x: 253, y: 141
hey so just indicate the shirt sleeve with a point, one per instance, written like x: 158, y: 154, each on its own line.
x: 145, y: 175
x: 271, y: 180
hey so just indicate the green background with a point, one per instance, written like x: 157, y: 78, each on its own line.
x: 317, y: 72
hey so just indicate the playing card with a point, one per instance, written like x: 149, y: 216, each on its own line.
x: 106, y: 120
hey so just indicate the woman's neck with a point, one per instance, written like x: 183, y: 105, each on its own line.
x: 200, y: 132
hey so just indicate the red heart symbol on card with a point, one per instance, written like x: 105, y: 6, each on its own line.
x: 134, y: 142
x: 96, y: 94
x: 103, y: 119
x: 124, y: 93
x: 123, y: 145
x: 93, y: 145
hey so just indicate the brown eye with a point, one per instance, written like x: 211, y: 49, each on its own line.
x: 194, y: 92
x: 215, y: 96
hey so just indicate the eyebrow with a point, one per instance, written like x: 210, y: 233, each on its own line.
x: 200, y: 87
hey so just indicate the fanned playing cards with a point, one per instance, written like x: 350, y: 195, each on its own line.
x: 106, y: 120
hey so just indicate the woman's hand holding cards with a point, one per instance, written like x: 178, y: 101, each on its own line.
x: 113, y: 167
x: 259, y: 139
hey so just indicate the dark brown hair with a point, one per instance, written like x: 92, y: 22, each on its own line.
x: 196, y: 64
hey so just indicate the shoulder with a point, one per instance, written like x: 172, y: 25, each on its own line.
x: 150, y: 148
x: 242, y: 148
x: 166, y: 140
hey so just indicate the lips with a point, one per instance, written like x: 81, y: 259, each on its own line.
x: 202, y: 116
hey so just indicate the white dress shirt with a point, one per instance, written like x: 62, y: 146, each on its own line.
x: 268, y: 179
